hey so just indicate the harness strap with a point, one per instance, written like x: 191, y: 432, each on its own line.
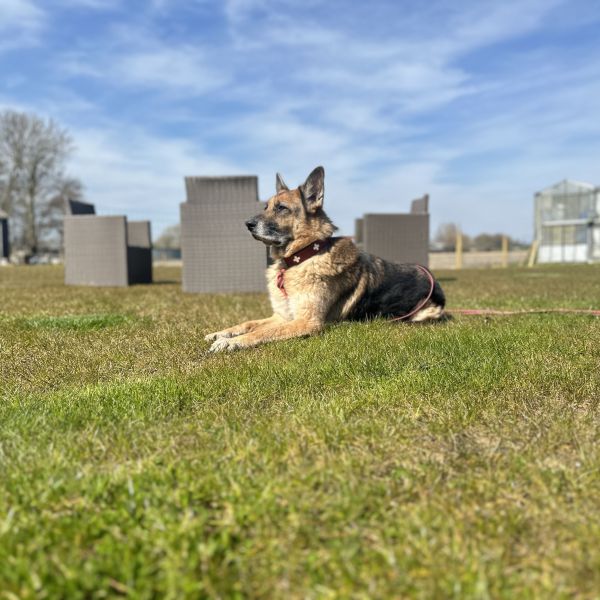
x: 281, y: 282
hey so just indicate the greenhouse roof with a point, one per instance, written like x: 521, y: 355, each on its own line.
x: 568, y: 186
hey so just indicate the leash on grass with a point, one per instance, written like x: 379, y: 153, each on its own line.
x: 491, y: 312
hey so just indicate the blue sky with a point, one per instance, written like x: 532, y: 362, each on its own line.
x: 478, y: 103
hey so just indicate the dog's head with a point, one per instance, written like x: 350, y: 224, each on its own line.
x: 293, y: 215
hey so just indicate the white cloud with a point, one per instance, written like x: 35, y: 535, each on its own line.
x: 128, y: 171
x: 20, y: 13
x: 21, y: 22
x: 384, y: 75
x: 176, y: 69
x: 91, y: 4
x: 484, y: 24
x: 139, y: 59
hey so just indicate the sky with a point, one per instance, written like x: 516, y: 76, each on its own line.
x: 480, y: 104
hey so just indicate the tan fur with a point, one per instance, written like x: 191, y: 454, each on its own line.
x: 324, y: 288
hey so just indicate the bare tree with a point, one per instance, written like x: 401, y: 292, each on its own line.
x: 53, y: 211
x: 33, y: 153
x: 169, y: 238
x: 486, y: 242
x: 446, y: 234
x: 11, y: 160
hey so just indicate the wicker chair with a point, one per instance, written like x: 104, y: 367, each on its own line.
x: 4, y: 238
x: 397, y: 237
x: 420, y: 206
x: 105, y: 251
x: 218, y: 253
x: 76, y: 207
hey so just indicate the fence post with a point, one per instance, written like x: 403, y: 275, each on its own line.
x: 459, y: 249
x: 505, y: 251
x: 533, y: 253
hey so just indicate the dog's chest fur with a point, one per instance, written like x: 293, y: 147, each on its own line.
x: 312, y: 287
x: 299, y: 283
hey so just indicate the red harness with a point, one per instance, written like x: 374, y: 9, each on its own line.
x: 281, y: 282
x: 305, y: 253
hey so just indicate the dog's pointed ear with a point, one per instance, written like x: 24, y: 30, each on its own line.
x: 313, y: 190
x: 280, y: 185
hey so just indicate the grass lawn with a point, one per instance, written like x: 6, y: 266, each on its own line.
x: 458, y: 460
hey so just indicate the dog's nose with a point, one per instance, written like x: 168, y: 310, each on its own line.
x: 251, y: 223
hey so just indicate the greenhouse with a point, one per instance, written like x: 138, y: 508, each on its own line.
x: 567, y: 223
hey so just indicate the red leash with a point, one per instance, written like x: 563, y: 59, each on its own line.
x: 485, y: 312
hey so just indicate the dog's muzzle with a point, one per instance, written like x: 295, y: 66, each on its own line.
x: 265, y: 232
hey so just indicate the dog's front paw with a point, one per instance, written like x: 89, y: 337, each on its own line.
x: 223, y: 344
x: 211, y: 337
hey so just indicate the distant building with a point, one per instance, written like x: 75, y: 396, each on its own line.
x: 567, y: 222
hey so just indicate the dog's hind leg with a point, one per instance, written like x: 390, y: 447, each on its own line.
x: 433, y: 312
x: 242, y: 328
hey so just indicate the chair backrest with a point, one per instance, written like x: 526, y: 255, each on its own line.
x: 4, y: 244
x: 358, y: 231
x: 95, y: 250
x: 420, y: 206
x: 76, y: 207
x: 232, y: 188
x: 400, y: 238
x: 139, y: 252
x: 218, y: 253
x: 138, y: 234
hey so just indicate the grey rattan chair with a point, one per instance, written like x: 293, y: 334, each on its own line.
x: 105, y: 251
x: 76, y: 207
x: 218, y: 253
x: 139, y: 252
x: 4, y: 239
x: 397, y: 237
x: 358, y: 232
x: 420, y: 206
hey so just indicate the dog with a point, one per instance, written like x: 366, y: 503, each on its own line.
x: 316, y: 279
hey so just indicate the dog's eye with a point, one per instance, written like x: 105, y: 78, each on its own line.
x: 281, y: 208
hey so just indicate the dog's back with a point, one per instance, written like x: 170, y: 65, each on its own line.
x: 394, y: 290
x: 362, y: 286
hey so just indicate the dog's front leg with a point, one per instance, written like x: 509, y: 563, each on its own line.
x: 242, y: 328
x: 269, y: 333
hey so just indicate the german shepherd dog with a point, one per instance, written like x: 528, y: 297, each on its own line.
x: 316, y: 279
